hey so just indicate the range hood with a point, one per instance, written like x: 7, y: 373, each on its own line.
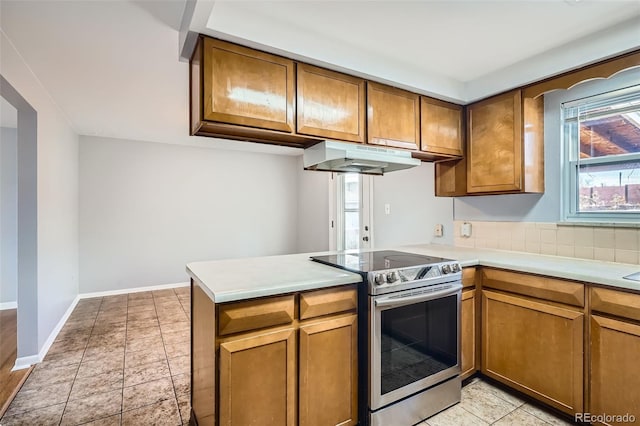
x: 332, y: 156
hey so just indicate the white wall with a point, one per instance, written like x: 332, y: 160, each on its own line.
x: 313, y: 209
x: 541, y: 207
x: 8, y: 215
x: 147, y: 209
x: 57, y: 206
x: 414, y: 208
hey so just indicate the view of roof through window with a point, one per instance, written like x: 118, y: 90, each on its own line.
x: 608, y: 165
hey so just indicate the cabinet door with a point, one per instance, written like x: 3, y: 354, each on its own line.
x: 330, y: 104
x: 534, y: 347
x: 468, y: 333
x: 440, y: 127
x: 258, y: 380
x: 494, y: 150
x: 246, y: 87
x: 329, y: 372
x: 393, y: 117
x: 615, y: 368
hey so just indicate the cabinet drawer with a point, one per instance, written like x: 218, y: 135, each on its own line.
x: 468, y: 277
x: 552, y: 289
x: 617, y: 303
x: 255, y: 314
x: 329, y: 301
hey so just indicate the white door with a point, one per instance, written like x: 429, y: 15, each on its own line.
x: 350, y: 210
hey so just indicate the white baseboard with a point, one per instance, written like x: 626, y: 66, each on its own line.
x: 131, y: 290
x: 8, y: 305
x: 28, y: 361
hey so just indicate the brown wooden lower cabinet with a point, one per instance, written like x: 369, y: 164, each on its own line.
x: 615, y: 368
x: 535, y: 347
x: 468, y: 333
x: 256, y: 363
x: 329, y: 372
x: 258, y: 379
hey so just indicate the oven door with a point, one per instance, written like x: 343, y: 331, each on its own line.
x: 415, y: 341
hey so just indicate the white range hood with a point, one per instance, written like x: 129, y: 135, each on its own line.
x: 332, y: 156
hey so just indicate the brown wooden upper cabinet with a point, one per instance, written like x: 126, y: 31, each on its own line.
x: 441, y: 127
x: 247, y: 87
x: 505, y: 137
x: 330, y: 104
x: 393, y: 117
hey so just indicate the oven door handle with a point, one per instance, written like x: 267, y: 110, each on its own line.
x: 396, y: 301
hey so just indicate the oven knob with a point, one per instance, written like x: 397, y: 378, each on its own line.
x: 379, y: 279
x: 392, y: 277
x: 455, y: 267
x: 446, y: 269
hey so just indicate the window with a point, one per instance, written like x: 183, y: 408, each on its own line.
x: 601, y: 135
x: 352, y: 230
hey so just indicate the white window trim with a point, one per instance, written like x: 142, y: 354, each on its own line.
x: 569, y: 170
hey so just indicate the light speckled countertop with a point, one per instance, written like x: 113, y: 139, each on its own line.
x: 238, y: 279
x: 588, y: 271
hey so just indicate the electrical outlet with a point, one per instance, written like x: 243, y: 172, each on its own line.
x: 438, y: 230
x: 465, y: 230
x: 387, y: 209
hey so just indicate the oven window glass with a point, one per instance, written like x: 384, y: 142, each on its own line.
x: 417, y: 341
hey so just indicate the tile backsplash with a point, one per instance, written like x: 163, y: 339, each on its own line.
x: 611, y: 244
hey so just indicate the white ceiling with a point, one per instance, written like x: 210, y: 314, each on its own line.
x: 113, y: 68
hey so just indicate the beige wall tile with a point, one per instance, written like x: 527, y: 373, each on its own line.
x: 626, y: 256
x: 464, y: 242
x: 517, y: 245
x: 548, y: 249
x: 531, y: 247
x: 604, y: 238
x: 546, y: 225
x: 604, y: 254
x: 532, y: 235
x: 583, y: 252
x: 481, y: 243
x: 548, y: 236
x: 484, y: 230
x: 492, y: 243
x: 517, y: 231
x: 503, y: 230
x: 626, y: 239
x: 583, y: 236
x: 565, y: 236
x: 565, y: 250
x: 456, y: 229
x: 504, y: 244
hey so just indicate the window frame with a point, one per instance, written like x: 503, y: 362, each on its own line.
x: 571, y: 161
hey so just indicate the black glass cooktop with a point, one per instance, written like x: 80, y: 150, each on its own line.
x: 377, y: 260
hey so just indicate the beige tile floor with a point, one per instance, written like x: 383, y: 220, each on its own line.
x: 124, y: 360
x: 485, y: 404
x: 118, y: 360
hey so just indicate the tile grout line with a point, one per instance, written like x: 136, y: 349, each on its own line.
x: 164, y: 347
x: 81, y: 359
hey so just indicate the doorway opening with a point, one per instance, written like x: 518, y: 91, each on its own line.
x: 351, y: 212
x: 18, y: 241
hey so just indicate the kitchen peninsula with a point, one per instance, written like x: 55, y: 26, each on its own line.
x: 266, y: 316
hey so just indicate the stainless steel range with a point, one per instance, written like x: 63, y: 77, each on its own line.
x: 409, y: 342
